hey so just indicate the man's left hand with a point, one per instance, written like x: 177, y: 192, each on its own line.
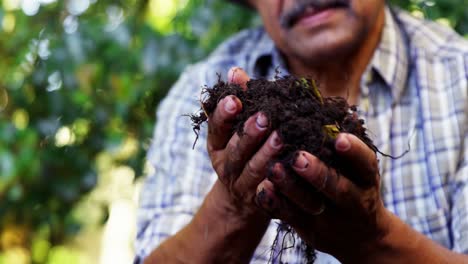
x: 327, y: 209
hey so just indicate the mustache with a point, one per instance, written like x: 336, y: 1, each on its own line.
x: 289, y: 18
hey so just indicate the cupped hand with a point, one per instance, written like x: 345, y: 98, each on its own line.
x: 327, y: 209
x: 240, y: 161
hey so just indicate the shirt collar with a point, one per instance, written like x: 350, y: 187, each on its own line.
x: 265, y: 58
x: 390, y: 59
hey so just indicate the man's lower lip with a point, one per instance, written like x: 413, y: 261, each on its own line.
x: 317, y: 18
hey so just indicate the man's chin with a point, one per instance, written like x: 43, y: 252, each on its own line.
x: 325, y: 48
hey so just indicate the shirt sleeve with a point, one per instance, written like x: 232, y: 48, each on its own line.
x: 460, y: 191
x: 460, y: 214
x: 182, y: 176
x: 460, y: 203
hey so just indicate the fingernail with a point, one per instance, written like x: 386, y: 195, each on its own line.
x: 275, y: 141
x: 260, y: 197
x: 342, y: 143
x: 301, y: 162
x: 262, y: 121
x: 229, y: 105
x: 264, y: 201
x: 232, y: 73
x: 278, y: 174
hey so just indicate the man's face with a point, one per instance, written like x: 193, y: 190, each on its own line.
x: 316, y: 31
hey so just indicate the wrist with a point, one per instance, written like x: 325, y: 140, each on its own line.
x: 216, y: 234
x: 402, y: 244
x: 376, y: 245
x: 229, y: 228
x: 221, y: 205
x: 384, y: 246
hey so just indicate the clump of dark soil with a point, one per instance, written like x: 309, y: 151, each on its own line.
x: 304, y: 119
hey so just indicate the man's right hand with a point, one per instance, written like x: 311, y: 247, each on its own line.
x: 239, y: 161
x: 229, y: 225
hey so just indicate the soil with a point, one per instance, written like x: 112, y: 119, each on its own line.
x: 303, y: 118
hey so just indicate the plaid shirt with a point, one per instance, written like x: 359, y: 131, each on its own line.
x: 413, y: 95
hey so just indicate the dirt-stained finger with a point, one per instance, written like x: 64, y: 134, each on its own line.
x: 359, y: 162
x: 238, y: 76
x: 296, y: 189
x: 239, y: 150
x: 256, y: 169
x: 334, y: 186
x: 220, y: 123
x: 278, y: 206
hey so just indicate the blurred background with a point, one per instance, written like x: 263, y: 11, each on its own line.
x: 79, y: 83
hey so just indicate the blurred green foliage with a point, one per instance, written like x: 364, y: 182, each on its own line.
x: 80, y: 79
x: 75, y: 85
x: 453, y: 13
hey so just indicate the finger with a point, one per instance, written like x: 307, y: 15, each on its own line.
x: 220, y: 123
x: 255, y: 170
x: 359, y: 161
x: 278, y: 206
x: 238, y: 76
x: 326, y: 180
x: 265, y: 196
x: 241, y: 148
x: 296, y: 190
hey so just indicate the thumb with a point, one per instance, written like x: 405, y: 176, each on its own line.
x: 238, y: 76
x: 360, y: 162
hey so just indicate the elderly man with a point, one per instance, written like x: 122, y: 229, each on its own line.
x: 409, y: 79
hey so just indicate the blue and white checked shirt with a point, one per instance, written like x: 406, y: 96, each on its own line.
x: 413, y: 92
